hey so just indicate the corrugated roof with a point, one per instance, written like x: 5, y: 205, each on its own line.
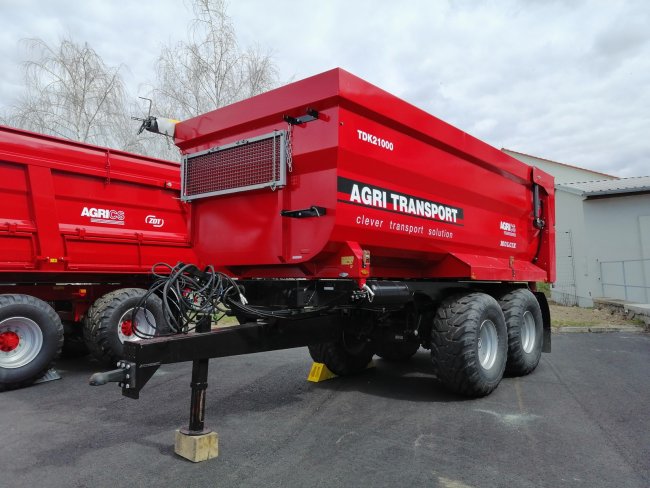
x: 635, y: 184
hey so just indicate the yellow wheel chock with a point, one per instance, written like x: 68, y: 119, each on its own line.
x: 319, y: 372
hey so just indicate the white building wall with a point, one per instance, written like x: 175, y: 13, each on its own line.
x: 601, y: 244
x: 618, y: 244
x: 644, y: 231
x: 571, y: 287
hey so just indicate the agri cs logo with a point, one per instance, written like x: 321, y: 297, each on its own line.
x: 154, y: 221
x: 508, y: 228
x: 104, y: 215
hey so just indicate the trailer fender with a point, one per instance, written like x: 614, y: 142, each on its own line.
x: 546, y: 319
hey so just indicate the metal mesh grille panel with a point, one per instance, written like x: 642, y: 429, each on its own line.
x: 245, y: 165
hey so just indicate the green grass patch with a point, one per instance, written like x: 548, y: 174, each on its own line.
x: 545, y: 288
x: 225, y: 321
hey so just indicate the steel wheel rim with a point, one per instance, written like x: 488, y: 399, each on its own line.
x: 487, y: 344
x: 528, y: 332
x: 144, y: 321
x: 29, y: 345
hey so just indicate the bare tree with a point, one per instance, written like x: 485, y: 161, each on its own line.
x: 71, y: 93
x: 209, y: 70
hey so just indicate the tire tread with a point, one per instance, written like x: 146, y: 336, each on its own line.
x: 453, y: 342
x: 54, y: 320
x: 97, y: 328
x: 513, y: 305
x: 338, y: 360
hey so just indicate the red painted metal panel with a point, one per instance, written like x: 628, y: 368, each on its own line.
x: 424, y: 198
x: 71, y: 207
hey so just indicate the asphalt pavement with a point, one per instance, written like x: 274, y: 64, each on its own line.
x: 581, y: 419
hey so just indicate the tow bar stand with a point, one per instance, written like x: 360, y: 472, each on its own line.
x: 195, y: 442
x: 143, y: 358
x: 199, y: 386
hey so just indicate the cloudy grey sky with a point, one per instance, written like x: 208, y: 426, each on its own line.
x: 566, y: 80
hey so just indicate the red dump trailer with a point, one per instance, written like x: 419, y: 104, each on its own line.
x: 80, y: 228
x: 357, y: 225
x: 423, y: 199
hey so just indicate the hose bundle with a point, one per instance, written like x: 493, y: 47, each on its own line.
x: 188, y: 294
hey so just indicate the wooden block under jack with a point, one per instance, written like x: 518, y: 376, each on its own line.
x: 319, y: 372
x: 197, y: 448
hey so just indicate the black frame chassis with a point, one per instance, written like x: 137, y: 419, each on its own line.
x: 143, y: 358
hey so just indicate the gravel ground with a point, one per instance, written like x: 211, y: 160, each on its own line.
x: 573, y: 316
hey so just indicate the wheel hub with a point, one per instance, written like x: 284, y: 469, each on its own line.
x: 487, y: 344
x: 127, y: 328
x: 9, y: 341
x: 21, y: 341
x: 133, y: 326
x: 528, y: 332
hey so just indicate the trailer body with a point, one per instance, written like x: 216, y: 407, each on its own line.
x: 367, y: 186
x: 77, y: 222
x: 73, y: 211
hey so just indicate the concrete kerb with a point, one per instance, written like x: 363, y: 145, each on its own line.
x: 597, y: 329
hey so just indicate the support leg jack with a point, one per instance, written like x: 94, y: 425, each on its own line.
x: 195, y: 442
x: 143, y: 358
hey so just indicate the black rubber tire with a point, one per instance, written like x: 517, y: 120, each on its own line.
x: 51, y: 329
x: 455, y: 344
x: 397, y: 351
x: 342, y: 357
x: 515, y: 305
x: 315, y: 351
x: 101, y: 324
